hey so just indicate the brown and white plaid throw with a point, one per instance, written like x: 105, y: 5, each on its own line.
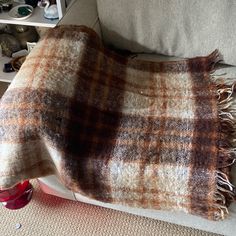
x: 120, y: 130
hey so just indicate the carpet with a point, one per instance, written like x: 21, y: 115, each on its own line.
x: 49, y: 215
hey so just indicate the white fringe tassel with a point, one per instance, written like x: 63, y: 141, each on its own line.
x: 225, y: 190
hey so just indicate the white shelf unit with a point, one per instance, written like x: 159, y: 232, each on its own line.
x: 37, y: 18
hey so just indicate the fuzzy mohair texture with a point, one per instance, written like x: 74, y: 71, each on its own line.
x: 155, y: 135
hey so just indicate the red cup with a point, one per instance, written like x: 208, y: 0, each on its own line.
x: 17, y: 196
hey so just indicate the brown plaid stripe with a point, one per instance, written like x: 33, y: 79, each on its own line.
x: 120, y: 130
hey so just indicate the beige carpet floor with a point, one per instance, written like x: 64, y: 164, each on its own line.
x: 47, y: 215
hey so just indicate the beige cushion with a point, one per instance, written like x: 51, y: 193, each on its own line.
x: 174, y: 27
x: 82, y: 12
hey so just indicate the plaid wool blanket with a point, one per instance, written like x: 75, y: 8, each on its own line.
x: 120, y: 130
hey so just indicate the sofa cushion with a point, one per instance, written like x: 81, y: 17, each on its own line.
x: 175, y: 27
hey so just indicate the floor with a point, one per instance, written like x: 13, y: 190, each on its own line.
x: 47, y: 215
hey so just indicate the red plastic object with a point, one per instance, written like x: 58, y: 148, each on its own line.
x: 18, y: 196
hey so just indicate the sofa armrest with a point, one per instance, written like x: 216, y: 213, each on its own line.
x: 82, y: 12
x: 52, y: 185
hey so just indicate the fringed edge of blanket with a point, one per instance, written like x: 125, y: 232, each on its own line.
x: 225, y: 89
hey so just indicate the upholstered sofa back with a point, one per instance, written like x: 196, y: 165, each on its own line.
x: 174, y: 27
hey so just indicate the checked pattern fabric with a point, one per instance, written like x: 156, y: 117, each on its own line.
x: 117, y: 129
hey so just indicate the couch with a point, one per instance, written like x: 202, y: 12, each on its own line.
x: 136, y: 26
